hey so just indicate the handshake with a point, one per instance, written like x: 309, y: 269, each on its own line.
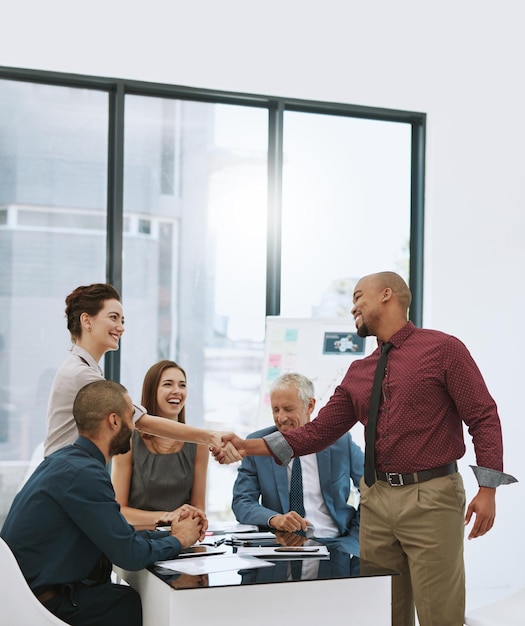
x: 228, y: 448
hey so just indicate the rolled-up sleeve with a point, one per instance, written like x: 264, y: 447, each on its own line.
x: 279, y: 447
x: 138, y: 412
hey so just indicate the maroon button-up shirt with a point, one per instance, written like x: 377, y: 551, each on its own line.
x: 431, y: 387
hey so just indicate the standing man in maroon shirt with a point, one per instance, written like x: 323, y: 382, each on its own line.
x: 413, y: 515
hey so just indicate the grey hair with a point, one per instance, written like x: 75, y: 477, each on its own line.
x: 304, y: 386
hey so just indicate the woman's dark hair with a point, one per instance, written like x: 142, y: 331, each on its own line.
x: 89, y: 299
x: 151, y: 384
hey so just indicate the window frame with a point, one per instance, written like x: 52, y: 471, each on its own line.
x: 118, y: 89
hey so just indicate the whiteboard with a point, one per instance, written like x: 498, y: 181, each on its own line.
x: 320, y: 348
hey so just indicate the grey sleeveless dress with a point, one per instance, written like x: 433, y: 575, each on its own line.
x: 161, y: 482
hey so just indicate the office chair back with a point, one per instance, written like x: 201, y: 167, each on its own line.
x: 20, y: 606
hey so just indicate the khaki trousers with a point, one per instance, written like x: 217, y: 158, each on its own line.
x: 418, y: 530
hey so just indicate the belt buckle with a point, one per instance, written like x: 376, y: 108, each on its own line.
x: 394, y: 479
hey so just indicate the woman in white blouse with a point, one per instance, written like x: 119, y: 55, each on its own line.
x: 95, y: 320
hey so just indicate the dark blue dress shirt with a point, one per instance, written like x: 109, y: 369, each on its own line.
x: 66, y: 516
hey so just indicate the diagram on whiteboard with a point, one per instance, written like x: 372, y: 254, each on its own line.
x: 320, y: 348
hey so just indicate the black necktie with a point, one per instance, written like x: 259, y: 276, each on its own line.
x: 370, y: 437
x: 296, y: 569
x: 296, y: 491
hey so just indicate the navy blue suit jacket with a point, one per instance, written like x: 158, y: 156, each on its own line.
x: 261, y: 488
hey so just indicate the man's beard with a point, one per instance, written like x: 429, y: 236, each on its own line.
x: 363, y: 331
x: 369, y: 328
x: 121, y: 442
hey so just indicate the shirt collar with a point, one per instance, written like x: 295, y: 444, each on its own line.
x: 87, y: 356
x: 398, y: 338
x: 92, y: 449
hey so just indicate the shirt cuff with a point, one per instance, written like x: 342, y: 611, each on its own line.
x: 138, y: 412
x: 487, y: 477
x: 177, y: 544
x: 279, y: 447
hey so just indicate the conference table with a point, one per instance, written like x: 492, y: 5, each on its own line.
x: 336, y: 585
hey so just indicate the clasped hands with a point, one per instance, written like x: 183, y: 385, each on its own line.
x: 188, y: 524
x: 230, y: 450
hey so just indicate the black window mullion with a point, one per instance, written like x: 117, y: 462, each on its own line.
x: 417, y: 226
x: 115, y: 208
x: 275, y: 183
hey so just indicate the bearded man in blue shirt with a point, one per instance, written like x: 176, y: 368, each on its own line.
x: 65, y: 527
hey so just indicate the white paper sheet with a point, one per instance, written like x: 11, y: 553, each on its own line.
x: 229, y: 527
x: 252, y: 536
x: 207, y: 565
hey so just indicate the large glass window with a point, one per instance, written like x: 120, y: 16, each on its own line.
x: 346, y: 208
x: 53, y: 180
x: 229, y: 207
x: 195, y: 258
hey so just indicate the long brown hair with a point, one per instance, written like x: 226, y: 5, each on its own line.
x: 151, y: 384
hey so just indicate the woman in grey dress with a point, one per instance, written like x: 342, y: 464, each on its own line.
x: 158, y: 475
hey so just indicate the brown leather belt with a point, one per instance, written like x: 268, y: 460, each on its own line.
x: 398, y: 480
x: 49, y: 593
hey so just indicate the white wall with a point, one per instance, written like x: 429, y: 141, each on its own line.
x: 460, y: 62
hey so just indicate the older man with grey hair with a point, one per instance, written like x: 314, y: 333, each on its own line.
x: 261, y: 493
